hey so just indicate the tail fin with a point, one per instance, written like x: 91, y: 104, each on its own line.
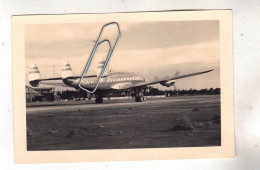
x: 100, y: 66
x: 66, y: 71
x: 34, y: 75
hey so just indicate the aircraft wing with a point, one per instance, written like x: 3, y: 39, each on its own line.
x: 54, y: 83
x: 72, y: 77
x: 124, y: 86
x: 57, y: 81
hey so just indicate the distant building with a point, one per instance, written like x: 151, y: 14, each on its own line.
x: 39, y: 94
x: 32, y: 95
x: 46, y: 92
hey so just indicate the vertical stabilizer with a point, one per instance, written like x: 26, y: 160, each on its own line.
x: 34, y: 75
x: 66, y: 71
x: 100, y: 66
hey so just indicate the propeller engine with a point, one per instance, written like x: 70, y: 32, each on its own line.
x: 168, y: 83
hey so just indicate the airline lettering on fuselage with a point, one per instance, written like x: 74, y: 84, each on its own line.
x: 113, y: 79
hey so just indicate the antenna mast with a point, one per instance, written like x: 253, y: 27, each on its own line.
x: 54, y: 75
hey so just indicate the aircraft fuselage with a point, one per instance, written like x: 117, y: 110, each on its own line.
x: 113, y: 79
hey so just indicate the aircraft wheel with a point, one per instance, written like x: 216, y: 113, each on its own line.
x: 99, y: 100
x: 139, y: 99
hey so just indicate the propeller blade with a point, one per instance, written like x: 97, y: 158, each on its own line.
x: 156, y: 78
x: 177, y: 73
x: 174, y: 87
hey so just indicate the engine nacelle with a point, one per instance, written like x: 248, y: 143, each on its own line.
x: 34, y: 83
x: 167, y: 83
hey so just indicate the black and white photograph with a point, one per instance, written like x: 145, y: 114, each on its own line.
x: 149, y: 85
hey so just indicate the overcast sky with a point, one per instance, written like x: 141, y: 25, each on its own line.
x: 153, y: 49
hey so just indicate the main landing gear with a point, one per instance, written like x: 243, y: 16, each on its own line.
x: 139, y: 96
x: 99, y: 100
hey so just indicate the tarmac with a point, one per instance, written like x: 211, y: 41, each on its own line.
x: 71, y: 105
x: 182, y: 121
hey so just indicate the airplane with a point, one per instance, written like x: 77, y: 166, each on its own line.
x: 114, y: 81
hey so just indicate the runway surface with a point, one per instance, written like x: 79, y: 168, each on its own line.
x: 183, y: 121
x: 111, y: 103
